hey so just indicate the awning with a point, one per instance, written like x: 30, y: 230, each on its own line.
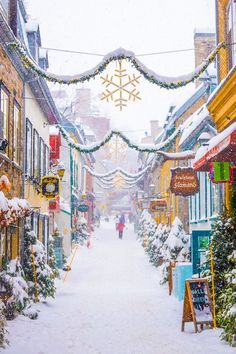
x: 221, y: 147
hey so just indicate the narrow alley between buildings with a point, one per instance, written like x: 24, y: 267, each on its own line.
x: 111, y: 303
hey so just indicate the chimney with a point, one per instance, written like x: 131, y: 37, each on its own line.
x: 204, y: 43
x: 13, y: 16
x: 155, y: 128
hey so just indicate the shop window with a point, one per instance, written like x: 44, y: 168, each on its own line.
x: 215, y: 199
x: 197, y: 202
x: 28, y: 152
x: 36, y: 154
x: 40, y: 228
x: 46, y: 160
x: 202, y: 195
x: 14, y: 242
x: 41, y: 159
x: 16, y: 134
x: 194, y: 207
x: 4, y: 114
x: 46, y: 233
x: 2, y: 247
x: 35, y: 224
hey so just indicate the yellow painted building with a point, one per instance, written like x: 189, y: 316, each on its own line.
x: 161, y: 174
x: 222, y: 104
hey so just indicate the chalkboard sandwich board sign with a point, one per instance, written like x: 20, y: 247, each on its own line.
x: 197, y: 307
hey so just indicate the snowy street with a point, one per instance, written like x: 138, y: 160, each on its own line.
x: 111, y: 303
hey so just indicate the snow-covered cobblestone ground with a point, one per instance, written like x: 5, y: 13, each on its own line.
x: 111, y: 303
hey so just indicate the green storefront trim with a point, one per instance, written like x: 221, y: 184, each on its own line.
x: 200, y: 240
x: 66, y: 212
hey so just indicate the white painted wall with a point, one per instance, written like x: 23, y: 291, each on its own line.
x: 63, y: 220
x: 34, y: 113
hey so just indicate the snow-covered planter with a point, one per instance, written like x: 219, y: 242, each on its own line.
x: 14, y: 286
x: 13, y: 209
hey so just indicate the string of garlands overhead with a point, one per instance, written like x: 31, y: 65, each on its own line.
x: 114, y: 186
x: 119, y: 54
x: 115, y: 171
x: 151, y: 148
x: 121, y: 177
x: 111, y: 183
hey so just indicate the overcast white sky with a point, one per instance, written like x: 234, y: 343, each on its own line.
x: 141, y: 26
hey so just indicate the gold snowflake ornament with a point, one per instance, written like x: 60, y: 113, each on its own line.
x: 120, y: 87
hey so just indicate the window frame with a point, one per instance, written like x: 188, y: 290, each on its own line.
x: 7, y: 92
x: 41, y: 157
x: 28, y: 124
x: 46, y: 159
x: 35, y: 222
x: 36, y: 134
x: 16, y: 148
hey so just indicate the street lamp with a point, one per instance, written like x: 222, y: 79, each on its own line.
x: 61, y: 170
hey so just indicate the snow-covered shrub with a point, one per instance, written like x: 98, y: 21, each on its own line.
x: 52, y: 258
x: 82, y: 233
x: 227, y: 317
x: 224, y: 257
x: 155, y: 247
x: 12, y: 282
x: 3, y: 331
x: 35, y: 261
x: 176, y: 247
x: 30, y: 312
x: 146, y: 228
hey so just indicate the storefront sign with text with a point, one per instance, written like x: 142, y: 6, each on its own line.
x: 184, y: 181
x: 50, y: 186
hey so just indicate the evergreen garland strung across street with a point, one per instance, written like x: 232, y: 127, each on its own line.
x: 114, y: 183
x: 115, y: 171
x: 151, y: 148
x: 119, y: 54
x: 114, y: 186
x: 108, y: 179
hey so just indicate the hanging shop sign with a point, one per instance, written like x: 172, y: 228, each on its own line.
x: 158, y: 204
x: 184, y: 181
x: 221, y: 172
x: 50, y: 186
x: 54, y: 205
x: 83, y: 208
x: 197, y: 307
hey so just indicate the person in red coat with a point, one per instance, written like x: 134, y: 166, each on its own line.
x: 120, y: 228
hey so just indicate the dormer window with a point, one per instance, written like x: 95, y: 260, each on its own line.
x: 34, y: 39
x: 43, y: 59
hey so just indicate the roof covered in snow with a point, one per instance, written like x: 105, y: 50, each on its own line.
x: 194, y: 123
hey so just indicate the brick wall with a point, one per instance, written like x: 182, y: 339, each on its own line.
x: 221, y: 31
x: 11, y: 80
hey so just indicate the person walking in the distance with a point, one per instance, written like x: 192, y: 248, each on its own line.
x: 121, y: 226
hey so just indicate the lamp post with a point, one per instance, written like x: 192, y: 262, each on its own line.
x: 60, y: 170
